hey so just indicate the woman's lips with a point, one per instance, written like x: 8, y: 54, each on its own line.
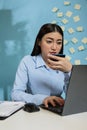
x: 53, y: 53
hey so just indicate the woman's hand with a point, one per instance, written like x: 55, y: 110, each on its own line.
x: 53, y: 100
x: 59, y: 63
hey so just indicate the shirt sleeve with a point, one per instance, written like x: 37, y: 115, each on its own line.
x: 20, y: 85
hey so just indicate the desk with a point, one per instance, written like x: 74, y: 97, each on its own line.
x: 44, y: 120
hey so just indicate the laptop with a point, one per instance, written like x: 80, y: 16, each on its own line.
x: 7, y: 108
x: 76, y: 97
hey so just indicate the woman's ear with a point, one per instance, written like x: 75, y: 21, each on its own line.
x: 38, y: 43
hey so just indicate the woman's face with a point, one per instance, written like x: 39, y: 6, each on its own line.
x: 51, y: 43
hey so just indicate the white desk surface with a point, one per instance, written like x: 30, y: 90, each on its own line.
x: 44, y: 120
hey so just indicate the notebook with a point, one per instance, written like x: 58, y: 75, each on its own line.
x: 7, y: 108
x: 76, y: 97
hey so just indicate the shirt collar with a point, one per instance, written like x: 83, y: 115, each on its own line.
x: 39, y: 61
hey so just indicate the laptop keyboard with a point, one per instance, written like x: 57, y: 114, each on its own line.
x: 57, y: 109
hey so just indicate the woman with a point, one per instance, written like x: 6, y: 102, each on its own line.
x: 41, y: 77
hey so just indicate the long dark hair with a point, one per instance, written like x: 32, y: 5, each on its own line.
x: 46, y: 28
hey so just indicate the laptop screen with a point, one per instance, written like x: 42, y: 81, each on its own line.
x: 76, y: 98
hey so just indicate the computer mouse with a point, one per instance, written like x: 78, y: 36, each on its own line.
x: 31, y: 107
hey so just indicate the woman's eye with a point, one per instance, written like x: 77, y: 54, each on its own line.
x: 49, y: 41
x: 59, y: 43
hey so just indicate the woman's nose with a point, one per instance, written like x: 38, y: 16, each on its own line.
x: 53, y: 46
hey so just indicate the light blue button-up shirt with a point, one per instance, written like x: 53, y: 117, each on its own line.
x: 35, y: 81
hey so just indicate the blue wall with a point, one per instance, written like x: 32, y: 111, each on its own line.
x: 19, y: 24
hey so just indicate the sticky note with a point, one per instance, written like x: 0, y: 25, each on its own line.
x: 79, y: 28
x: 60, y: 14
x: 65, y: 42
x: 72, y: 50
x: 76, y: 18
x: 64, y: 21
x: 63, y: 28
x: 68, y: 13
x: 84, y: 40
x: 71, y: 30
x: 77, y: 6
x: 81, y: 48
x: 77, y: 62
x: 67, y: 3
x: 68, y: 57
x: 74, y: 40
x: 55, y: 9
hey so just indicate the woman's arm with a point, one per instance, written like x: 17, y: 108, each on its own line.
x: 20, y: 85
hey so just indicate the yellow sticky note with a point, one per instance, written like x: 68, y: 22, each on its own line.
x: 84, y: 40
x: 76, y: 18
x: 63, y: 28
x: 65, y: 21
x: 55, y: 9
x: 68, y: 57
x: 74, y: 40
x: 65, y: 42
x: 79, y: 28
x: 71, y: 30
x: 77, y: 62
x: 67, y: 3
x: 72, y: 50
x: 60, y: 14
x: 77, y: 6
x: 68, y: 13
x: 81, y: 48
